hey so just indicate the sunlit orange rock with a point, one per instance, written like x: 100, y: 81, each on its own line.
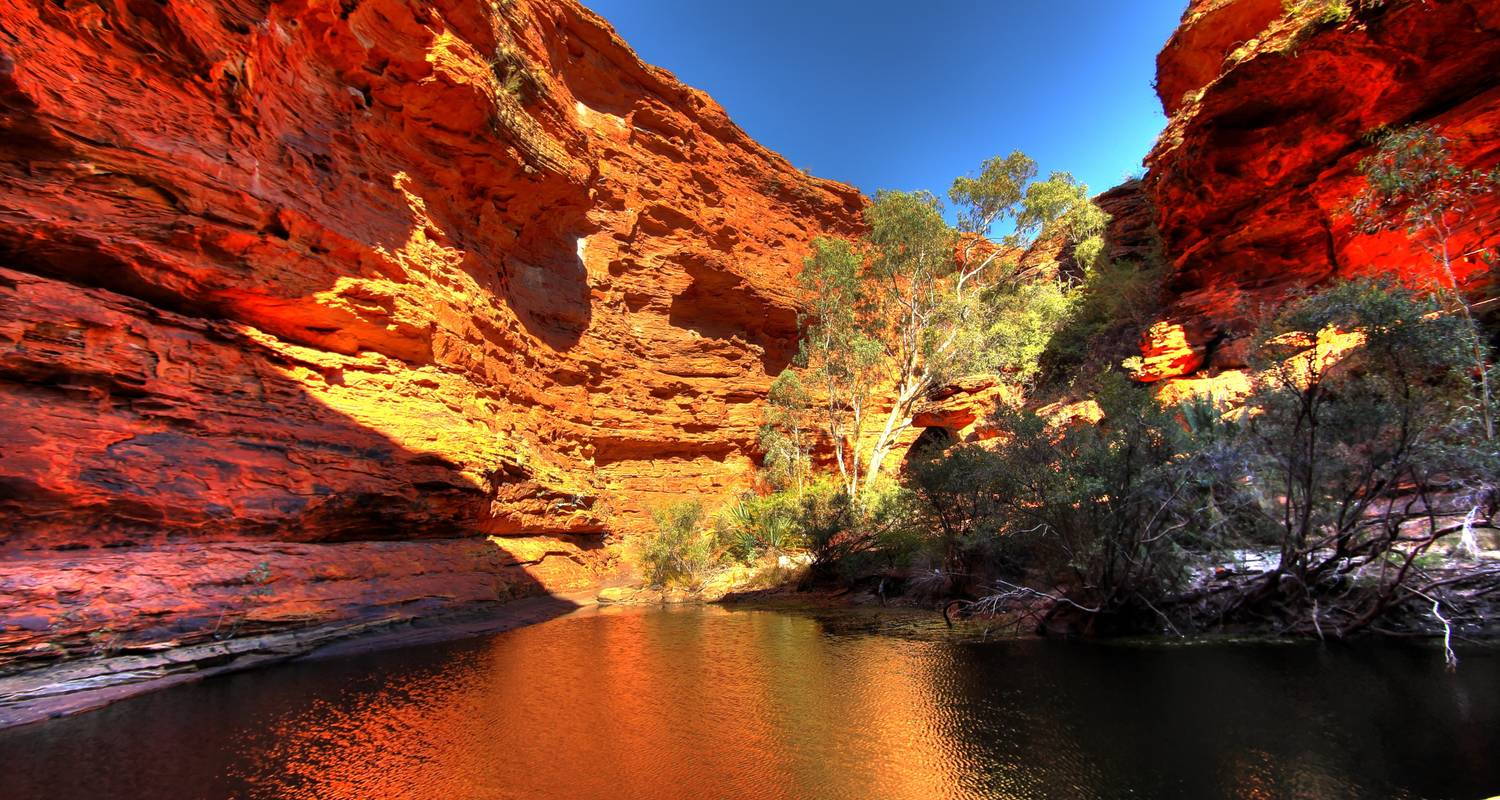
x: 1166, y: 353
x: 1270, y: 115
x: 385, y: 271
x: 1317, y: 352
x: 1210, y: 33
x: 1225, y: 389
x: 962, y: 407
x: 1067, y: 414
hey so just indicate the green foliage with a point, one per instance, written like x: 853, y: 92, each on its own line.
x: 844, y: 541
x: 1310, y: 16
x: 1327, y: 12
x: 839, y: 348
x: 1339, y: 457
x: 829, y: 520
x: 1342, y: 456
x: 1019, y: 327
x: 848, y: 540
x: 680, y: 550
x: 259, y: 579
x: 1004, y: 192
x: 1110, y: 510
x: 909, y: 239
x: 918, y: 303
x: 786, y: 432
x: 1107, y: 312
x: 1414, y: 184
x: 1331, y: 437
x: 753, y: 526
x: 1063, y: 204
x: 994, y: 195
x: 886, y: 532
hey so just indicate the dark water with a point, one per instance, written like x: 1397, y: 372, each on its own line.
x: 712, y: 703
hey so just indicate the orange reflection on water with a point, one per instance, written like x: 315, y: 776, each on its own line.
x: 685, y: 707
x: 713, y: 703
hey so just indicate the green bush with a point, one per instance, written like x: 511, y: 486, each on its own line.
x: 1112, y: 511
x: 512, y: 74
x: 844, y: 540
x: 1107, y: 313
x: 1335, y: 438
x: 848, y: 540
x: 1325, y: 12
x: 1350, y: 451
x: 752, y: 526
x: 1022, y: 321
x: 679, y: 551
x: 892, y: 533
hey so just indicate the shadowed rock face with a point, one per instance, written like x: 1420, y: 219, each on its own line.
x: 1270, y: 117
x: 323, y: 271
x: 320, y: 272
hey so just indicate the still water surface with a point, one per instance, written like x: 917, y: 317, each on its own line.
x: 715, y: 703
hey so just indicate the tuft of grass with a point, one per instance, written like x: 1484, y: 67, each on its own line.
x: 753, y: 526
x: 1324, y: 12
x: 513, y: 76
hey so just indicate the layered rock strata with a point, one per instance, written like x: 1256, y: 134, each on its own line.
x: 1271, y: 112
x: 281, y: 283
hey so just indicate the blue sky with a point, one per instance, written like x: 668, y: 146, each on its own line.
x: 904, y: 94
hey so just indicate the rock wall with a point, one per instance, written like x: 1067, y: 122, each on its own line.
x: 320, y: 311
x: 1271, y: 113
x: 280, y: 281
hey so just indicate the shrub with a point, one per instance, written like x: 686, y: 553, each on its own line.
x: 512, y: 74
x: 829, y: 519
x: 1114, y: 512
x: 753, y: 526
x: 1325, y: 12
x: 891, y: 528
x: 1357, y: 441
x: 1023, y: 319
x: 848, y: 540
x: 1115, y: 303
x: 1337, y: 436
x: 679, y: 551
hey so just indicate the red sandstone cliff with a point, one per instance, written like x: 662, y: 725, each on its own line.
x: 301, y: 300
x: 370, y: 277
x: 1270, y: 116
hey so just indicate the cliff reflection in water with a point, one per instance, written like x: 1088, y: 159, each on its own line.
x: 715, y: 703
x: 632, y: 704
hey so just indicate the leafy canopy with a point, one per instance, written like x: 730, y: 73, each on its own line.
x: 917, y: 303
x: 1414, y: 184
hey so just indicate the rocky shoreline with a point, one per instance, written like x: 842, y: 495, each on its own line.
x: 74, y: 687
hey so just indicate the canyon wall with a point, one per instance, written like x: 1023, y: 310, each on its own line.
x: 1271, y: 112
x: 321, y: 310
x: 330, y: 311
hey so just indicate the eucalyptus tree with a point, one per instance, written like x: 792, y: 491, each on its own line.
x: 839, y: 351
x: 1413, y: 184
x: 918, y: 302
